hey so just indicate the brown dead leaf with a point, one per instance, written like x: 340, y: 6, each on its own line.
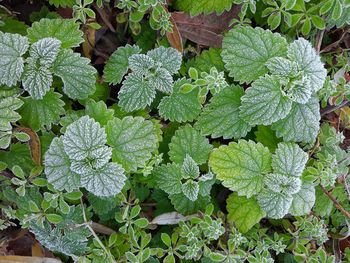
x: 34, y: 144
x: 89, y: 43
x: 21, y: 259
x: 174, y: 37
x: 206, y: 30
x: 37, y: 250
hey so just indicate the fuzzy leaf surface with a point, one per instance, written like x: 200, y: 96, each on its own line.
x: 168, y: 58
x: 45, y: 51
x: 241, y: 166
x: 168, y: 177
x: 246, y: 50
x: 8, y: 114
x: 304, y: 200
x: 275, y: 204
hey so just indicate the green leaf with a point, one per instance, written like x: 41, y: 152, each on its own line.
x: 141, y: 222
x: 309, y: 62
x: 264, y: 102
x: 135, y: 93
x: 208, y: 59
x: 301, y: 124
x: 118, y: 64
x: 203, y: 6
x: 289, y: 159
x: 188, y: 141
x: 107, y: 180
x: 241, y: 166
x: 166, y: 239
x: 303, y: 201
x: 36, y: 80
x: 65, y: 30
x: 221, y: 116
x: 275, y: 204
x: 168, y: 177
x: 133, y: 140
x: 243, y: 212
x: 282, y: 67
x: 8, y: 113
x: 318, y: 22
x: 337, y: 10
x: 179, y: 106
x: 306, y: 27
x: 12, y: 47
x: 186, y: 207
x: 267, y: 137
x: 40, y: 114
x: 62, y: 3
x: 57, y: 168
x: 54, y: 218
x: 45, y: 51
x: 77, y: 75
x: 189, y: 168
x: 246, y: 50
x: 190, y: 189
x: 167, y: 58
x: 98, y: 111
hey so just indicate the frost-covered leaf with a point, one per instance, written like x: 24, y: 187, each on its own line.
x: 190, y: 189
x: 289, y: 159
x: 308, y: 61
x: 133, y: 140
x: 221, y: 116
x: 179, y: 106
x: 57, y: 167
x: 141, y: 64
x: 189, y: 168
x: 84, y: 138
x: 304, y: 200
x: 276, y: 205
x: 264, y: 102
x: 45, y: 51
x: 203, y: 6
x: 12, y: 47
x: 136, y: 93
x: 168, y: 58
x: 186, y: 207
x: 241, y: 166
x: 40, y: 114
x: 77, y: 75
x: 107, y: 180
x: 188, y: 141
x: 301, y: 124
x: 282, y: 66
x: 246, y: 50
x: 281, y: 183
x: 36, y: 80
x: 8, y: 113
x: 168, y: 177
x: 65, y: 30
x: 117, y: 64
x: 98, y: 111
x: 243, y: 212
x: 161, y: 80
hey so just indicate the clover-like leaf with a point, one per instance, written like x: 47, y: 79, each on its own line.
x: 65, y: 30
x: 275, y: 204
x: 84, y: 138
x: 168, y: 178
x: 12, y: 47
x: 40, y: 114
x: 301, y: 124
x: 107, y: 180
x: 304, y: 200
x: 167, y: 58
x: 246, y: 50
x: 302, y: 52
x: 179, y: 106
x: 241, y: 166
x: 57, y: 167
x: 188, y: 141
x: 289, y: 159
x: 243, y: 212
x: 45, y: 51
x: 136, y: 93
x: 77, y: 75
x: 36, y: 80
x: 118, y: 63
x: 133, y: 140
x: 221, y: 116
x: 264, y: 102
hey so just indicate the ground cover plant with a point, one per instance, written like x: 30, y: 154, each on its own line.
x: 175, y: 131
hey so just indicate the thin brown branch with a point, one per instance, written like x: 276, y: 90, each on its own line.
x: 327, y: 111
x: 104, y: 17
x: 319, y: 39
x: 336, y: 203
x: 101, y: 228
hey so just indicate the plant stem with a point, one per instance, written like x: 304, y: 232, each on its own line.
x: 336, y: 203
